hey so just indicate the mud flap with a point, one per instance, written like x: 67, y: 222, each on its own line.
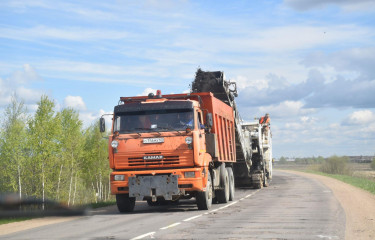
x: 153, y: 186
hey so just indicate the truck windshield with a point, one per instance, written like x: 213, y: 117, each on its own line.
x: 154, y: 121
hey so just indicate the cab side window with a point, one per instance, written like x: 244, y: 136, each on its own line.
x: 200, y: 125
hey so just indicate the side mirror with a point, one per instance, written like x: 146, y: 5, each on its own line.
x: 102, y: 124
x: 209, y: 121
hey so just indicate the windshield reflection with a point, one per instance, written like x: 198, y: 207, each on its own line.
x: 154, y: 121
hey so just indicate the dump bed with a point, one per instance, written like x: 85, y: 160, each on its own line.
x: 225, y: 91
x: 223, y: 126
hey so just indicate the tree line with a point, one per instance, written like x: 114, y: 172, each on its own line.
x: 49, y: 155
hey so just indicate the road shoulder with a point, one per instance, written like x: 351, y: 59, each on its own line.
x: 359, y: 206
x: 32, y: 223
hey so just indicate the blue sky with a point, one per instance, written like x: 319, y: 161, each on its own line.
x: 309, y: 63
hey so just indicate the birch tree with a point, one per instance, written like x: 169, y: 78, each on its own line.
x: 71, y: 149
x: 96, y: 161
x: 44, y: 130
x: 13, y: 147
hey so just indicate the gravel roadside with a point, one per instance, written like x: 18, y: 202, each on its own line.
x: 358, y: 204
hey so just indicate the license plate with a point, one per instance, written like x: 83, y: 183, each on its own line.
x: 153, y: 157
x: 153, y: 140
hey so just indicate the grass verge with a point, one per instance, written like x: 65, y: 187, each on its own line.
x: 11, y: 220
x: 362, y: 183
x: 102, y: 204
x: 92, y: 206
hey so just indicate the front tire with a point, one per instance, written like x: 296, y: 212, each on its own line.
x: 231, y: 183
x: 125, y: 203
x: 223, y: 194
x: 204, y: 198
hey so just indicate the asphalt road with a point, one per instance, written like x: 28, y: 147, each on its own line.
x: 293, y: 207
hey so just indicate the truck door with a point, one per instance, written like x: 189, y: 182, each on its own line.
x: 202, y: 139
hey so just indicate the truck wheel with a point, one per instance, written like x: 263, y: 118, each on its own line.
x: 125, y: 203
x: 223, y: 194
x: 231, y: 183
x: 265, y: 181
x: 204, y: 199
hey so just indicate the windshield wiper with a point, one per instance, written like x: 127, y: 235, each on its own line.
x: 142, y: 128
x: 129, y: 131
x: 150, y: 129
x: 170, y: 128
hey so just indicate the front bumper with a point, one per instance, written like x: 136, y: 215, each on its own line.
x: 153, y: 186
x: 158, y: 182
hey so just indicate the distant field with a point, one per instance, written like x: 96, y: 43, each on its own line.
x: 361, y: 174
x: 361, y: 170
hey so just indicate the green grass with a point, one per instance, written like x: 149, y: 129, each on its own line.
x: 363, y: 183
x: 11, y: 220
x: 102, y: 204
x: 92, y: 205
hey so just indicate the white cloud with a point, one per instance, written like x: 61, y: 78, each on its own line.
x: 360, y: 117
x: 75, y: 102
x: 17, y: 82
x: 243, y: 82
x: 29, y: 95
x: 72, y: 33
x: 303, y: 36
x: 147, y: 91
x: 186, y: 91
x: 23, y: 76
x: 286, y: 109
x: 351, y: 5
x: 89, y: 117
x: 308, y: 120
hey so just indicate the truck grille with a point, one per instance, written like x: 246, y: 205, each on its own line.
x: 139, y: 161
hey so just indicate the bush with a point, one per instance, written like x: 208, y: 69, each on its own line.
x: 373, y: 163
x: 335, y: 165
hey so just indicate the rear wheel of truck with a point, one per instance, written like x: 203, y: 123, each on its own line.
x: 204, y: 199
x: 222, y: 195
x: 125, y: 203
x: 265, y: 180
x: 231, y: 183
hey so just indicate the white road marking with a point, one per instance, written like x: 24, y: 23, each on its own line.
x: 194, y: 217
x: 247, y: 196
x: 188, y: 219
x: 329, y: 237
x: 170, y: 226
x: 143, y: 236
x: 228, y: 205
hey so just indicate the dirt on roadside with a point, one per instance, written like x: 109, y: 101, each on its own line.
x: 32, y: 223
x: 359, y: 206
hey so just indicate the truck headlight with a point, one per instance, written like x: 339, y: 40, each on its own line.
x: 119, y: 177
x: 114, y: 144
x: 189, y: 174
x: 188, y: 140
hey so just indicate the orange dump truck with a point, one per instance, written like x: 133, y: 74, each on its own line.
x: 167, y: 147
